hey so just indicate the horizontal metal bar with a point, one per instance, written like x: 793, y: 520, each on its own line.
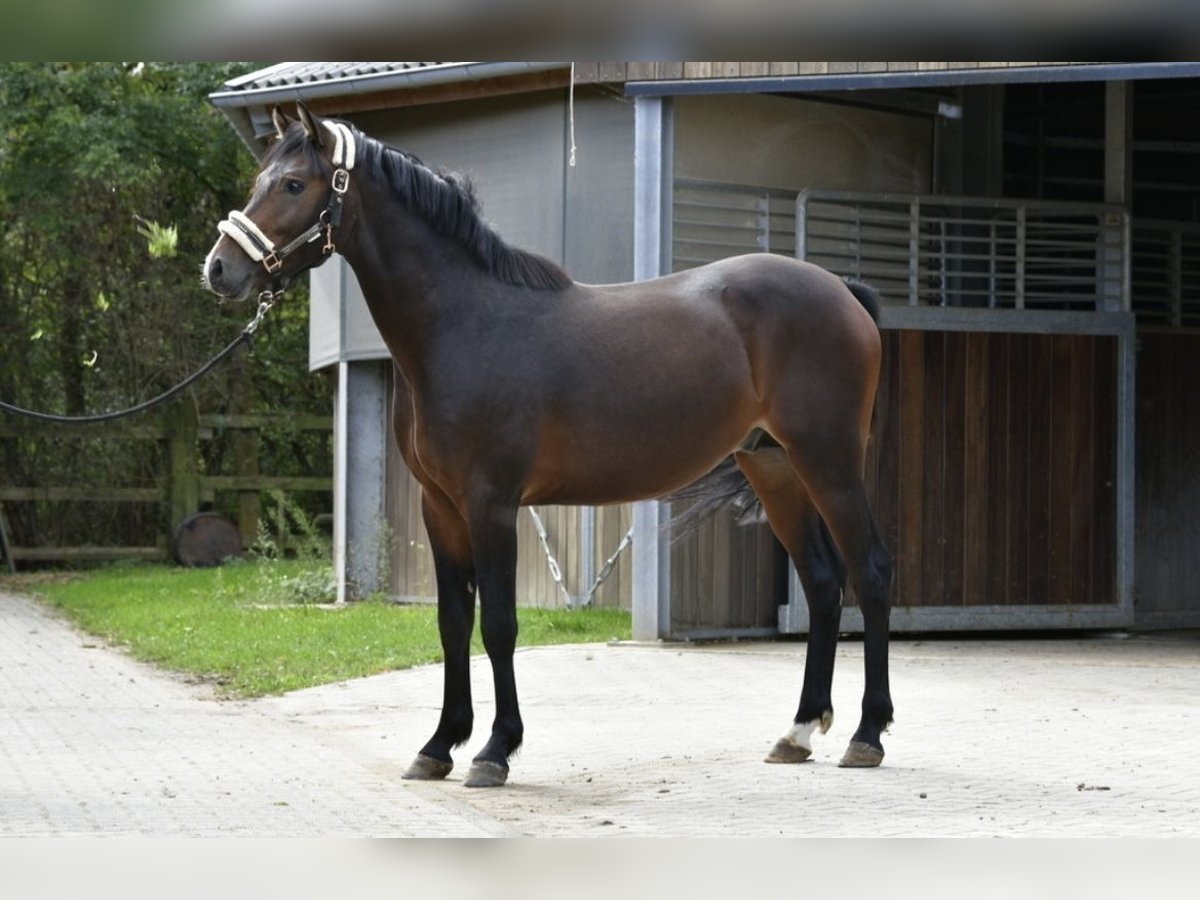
x: 979, y: 618
x: 814, y: 195
x: 931, y: 318
x: 696, y: 242
x: 724, y: 226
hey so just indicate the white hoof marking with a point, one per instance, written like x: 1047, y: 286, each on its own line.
x: 800, y: 734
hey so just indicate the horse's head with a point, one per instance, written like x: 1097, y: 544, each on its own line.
x: 295, y: 211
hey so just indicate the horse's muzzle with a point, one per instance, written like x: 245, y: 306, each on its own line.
x: 223, y: 281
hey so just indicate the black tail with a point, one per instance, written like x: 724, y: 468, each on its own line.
x: 867, y: 296
x: 726, y: 487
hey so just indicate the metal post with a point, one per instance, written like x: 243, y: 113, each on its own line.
x: 359, y: 485
x: 587, y: 550
x: 1118, y: 183
x: 1019, y: 287
x: 914, y: 252
x: 802, y: 225
x: 764, y: 223
x: 341, y: 403
x: 653, y: 192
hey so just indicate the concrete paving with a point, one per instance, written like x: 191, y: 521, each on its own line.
x: 1086, y: 737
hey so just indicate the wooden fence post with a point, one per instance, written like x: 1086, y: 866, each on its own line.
x: 182, y: 429
x: 5, y: 550
x: 245, y: 449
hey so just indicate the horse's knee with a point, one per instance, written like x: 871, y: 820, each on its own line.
x: 876, y: 591
x: 498, y: 628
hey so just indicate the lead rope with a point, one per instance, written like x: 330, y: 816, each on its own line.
x: 589, y: 598
x: 266, y: 300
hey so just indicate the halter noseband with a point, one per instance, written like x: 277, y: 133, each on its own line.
x: 261, y: 248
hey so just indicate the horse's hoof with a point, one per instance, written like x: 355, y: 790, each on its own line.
x: 426, y: 768
x: 485, y: 773
x: 787, y: 752
x: 861, y: 755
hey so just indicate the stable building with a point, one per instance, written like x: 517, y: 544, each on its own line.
x: 1034, y: 229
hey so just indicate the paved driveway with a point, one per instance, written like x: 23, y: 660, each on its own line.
x: 1025, y: 737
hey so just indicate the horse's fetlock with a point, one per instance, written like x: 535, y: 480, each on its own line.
x: 877, y: 707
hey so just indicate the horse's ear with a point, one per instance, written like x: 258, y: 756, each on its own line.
x: 281, y: 121
x: 311, y: 123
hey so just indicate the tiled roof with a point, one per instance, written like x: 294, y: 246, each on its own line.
x: 287, y: 74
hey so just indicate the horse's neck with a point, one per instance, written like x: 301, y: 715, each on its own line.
x: 417, y: 283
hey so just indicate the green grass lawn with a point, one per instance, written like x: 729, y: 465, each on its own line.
x: 240, y: 627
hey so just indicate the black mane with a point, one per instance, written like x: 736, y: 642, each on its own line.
x: 448, y: 204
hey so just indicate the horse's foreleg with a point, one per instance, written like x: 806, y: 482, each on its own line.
x: 455, y: 572
x: 795, y: 521
x: 494, y: 537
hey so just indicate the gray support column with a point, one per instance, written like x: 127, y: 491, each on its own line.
x: 653, y: 189
x: 1126, y: 467
x: 983, y: 140
x: 1118, y: 137
x: 360, y: 544
x: 1118, y: 188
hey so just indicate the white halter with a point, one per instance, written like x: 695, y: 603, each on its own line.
x: 260, y: 248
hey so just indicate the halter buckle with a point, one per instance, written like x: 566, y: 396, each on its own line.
x: 340, y: 182
x: 272, y: 262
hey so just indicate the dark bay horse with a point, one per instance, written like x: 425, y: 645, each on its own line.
x: 515, y: 385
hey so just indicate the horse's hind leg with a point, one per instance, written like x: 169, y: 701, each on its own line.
x: 831, y: 469
x: 799, y: 528
x: 455, y: 572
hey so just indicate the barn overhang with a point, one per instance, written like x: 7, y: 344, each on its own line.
x: 1073, y: 72
x: 333, y: 88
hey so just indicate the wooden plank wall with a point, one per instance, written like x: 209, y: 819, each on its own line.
x: 726, y: 576
x: 992, y: 467
x: 1168, y: 480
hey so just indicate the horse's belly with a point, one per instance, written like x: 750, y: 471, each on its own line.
x: 632, y: 458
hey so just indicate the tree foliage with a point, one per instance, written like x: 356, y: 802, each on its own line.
x: 100, y: 305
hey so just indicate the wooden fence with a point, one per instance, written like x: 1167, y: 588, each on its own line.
x: 180, y: 486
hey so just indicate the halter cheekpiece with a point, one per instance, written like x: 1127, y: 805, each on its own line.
x: 261, y: 248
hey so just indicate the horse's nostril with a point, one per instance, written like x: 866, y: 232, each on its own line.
x: 214, y: 270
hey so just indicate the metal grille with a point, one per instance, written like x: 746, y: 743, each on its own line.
x: 956, y: 251
x: 970, y: 251
x: 713, y: 221
x: 1166, y: 274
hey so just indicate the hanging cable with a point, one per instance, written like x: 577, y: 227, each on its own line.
x: 571, y: 112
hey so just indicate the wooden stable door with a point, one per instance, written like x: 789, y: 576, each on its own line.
x: 993, y: 468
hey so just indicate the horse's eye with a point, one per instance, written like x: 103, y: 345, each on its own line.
x: 292, y: 186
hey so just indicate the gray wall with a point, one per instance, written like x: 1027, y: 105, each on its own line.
x: 781, y: 142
